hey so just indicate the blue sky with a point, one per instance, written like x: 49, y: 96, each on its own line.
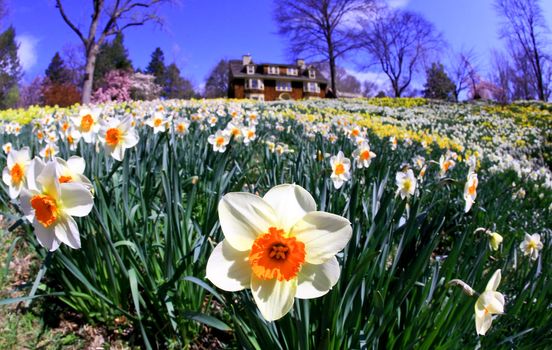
x: 198, y: 33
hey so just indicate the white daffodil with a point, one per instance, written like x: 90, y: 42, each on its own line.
x: 118, y: 135
x: 51, y: 205
x: 445, y: 164
x: 219, y: 141
x: 394, y: 143
x: 87, y: 123
x: 181, y: 126
x: 248, y: 134
x: 363, y: 155
x: 49, y: 151
x: 470, y: 191
x: 72, y: 170
x: 406, y: 183
x: 158, y: 122
x: 279, y: 246
x: 531, y: 245
x: 13, y: 174
x: 490, y: 302
x: 7, y: 147
x: 341, y: 169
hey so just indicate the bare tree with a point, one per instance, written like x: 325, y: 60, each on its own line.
x: 108, y: 18
x: 400, y: 42
x: 525, y: 30
x: 462, y: 70
x: 501, y: 75
x: 344, y: 82
x: 322, y: 29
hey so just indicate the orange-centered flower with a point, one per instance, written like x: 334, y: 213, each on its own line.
x: 181, y: 127
x: 70, y: 139
x: 365, y: 155
x: 275, y: 256
x: 220, y: 141
x: 157, y: 122
x: 17, y: 174
x: 65, y: 179
x: 472, y: 188
x: 86, y: 123
x: 46, y: 210
x: 113, y: 136
x: 339, y: 169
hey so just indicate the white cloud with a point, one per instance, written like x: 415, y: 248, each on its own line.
x: 398, y: 3
x: 380, y: 79
x: 27, y: 50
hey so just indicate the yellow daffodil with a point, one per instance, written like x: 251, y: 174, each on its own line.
x: 341, y: 169
x: 279, y: 246
x: 13, y: 174
x: 51, y: 205
x: 117, y: 136
x: 490, y: 302
x: 531, y: 245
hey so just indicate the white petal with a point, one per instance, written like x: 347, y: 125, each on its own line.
x: 131, y: 139
x: 483, y: 323
x: 324, y: 235
x: 244, y: 216
x: 494, y: 281
x: 45, y: 236
x: 274, y: 298
x: 229, y: 268
x: 290, y: 203
x: 48, y: 178
x: 67, y: 232
x: 118, y: 153
x: 316, y: 280
x: 76, y: 199
x: 35, y: 168
x: 25, y: 202
x: 76, y: 164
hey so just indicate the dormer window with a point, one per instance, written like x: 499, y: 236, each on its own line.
x: 312, y: 73
x: 292, y: 71
x: 273, y: 70
x: 250, y: 69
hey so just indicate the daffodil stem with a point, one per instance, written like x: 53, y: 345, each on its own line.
x: 38, y: 278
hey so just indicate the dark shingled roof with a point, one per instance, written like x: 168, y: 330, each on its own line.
x: 237, y: 70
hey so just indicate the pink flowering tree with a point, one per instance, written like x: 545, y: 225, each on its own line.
x: 116, y: 86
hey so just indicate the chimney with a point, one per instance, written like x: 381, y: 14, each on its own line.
x: 246, y: 59
x: 301, y: 63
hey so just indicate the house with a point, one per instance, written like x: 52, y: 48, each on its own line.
x: 272, y: 81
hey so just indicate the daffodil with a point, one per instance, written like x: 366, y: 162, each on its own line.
x: 406, y: 183
x: 279, y: 246
x: 531, y: 245
x: 7, y: 147
x: 117, y: 136
x: 490, y: 302
x: 158, y: 122
x: 49, y: 151
x: 219, y: 141
x: 181, y: 126
x: 13, y: 174
x: 495, y: 240
x: 72, y: 170
x: 341, y: 169
x: 470, y: 191
x: 87, y: 123
x: 363, y: 155
x: 445, y: 163
x: 51, y: 205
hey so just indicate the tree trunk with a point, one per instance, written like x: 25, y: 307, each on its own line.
x: 332, y: 73
x: 89, y: 74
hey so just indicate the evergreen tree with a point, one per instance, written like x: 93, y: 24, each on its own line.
x: 156, y: 67
x: 438, y: 84
x: 217, y: 82
x: 57, y: 72
x: 10, y: 69
x: 113, y: 55
x: 175, y: 85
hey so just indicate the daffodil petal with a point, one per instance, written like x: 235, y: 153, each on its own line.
x: 76, y: 199
x: 290, y: 203
x: 244, y: 216
x: 483, y: 323
x: 316, y: 280
x: 76, y: 164
x: 45, y: 236
x: 67, y: 231
x: 494, y: 281
x: 228, y: 268
x: 323, y: 234
x: 273, y: 298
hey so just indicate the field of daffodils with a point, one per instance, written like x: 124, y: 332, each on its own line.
x: 330, y: 224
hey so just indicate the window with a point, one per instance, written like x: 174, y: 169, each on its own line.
x: 312, y: 87
x: 258, y: 97
x: 312, y: 73
x: 254, y: 84
x: 292, y: 71
x: 250, y: 69
x: 273, y: 70
x: 283, y: 85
